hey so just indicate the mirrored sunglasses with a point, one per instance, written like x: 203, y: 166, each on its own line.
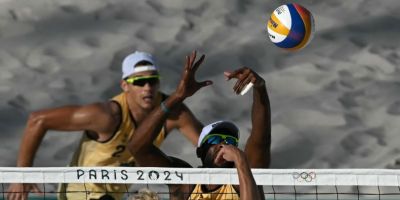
x: 143, y: 80
x: 220, y: 138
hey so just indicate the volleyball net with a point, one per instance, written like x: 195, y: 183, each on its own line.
x: 278, y: 184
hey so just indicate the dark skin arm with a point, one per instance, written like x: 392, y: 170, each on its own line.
x: 147, y: 154
x: 141, y: 144
x: 100, y: 118
x: 258, y: 145
x: 247, y: 184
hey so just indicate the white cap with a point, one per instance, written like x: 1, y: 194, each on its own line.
x: 227, y: 125
x: 128, y: 65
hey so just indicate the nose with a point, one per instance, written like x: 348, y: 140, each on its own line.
x: 149, y: 87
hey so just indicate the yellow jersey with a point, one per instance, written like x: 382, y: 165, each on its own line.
x: 225, y: 192
x: 112, y: 152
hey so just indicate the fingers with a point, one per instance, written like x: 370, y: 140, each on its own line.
x: 187, y: 63
x: 242, y: 81
x: 9, y: 195
x: 192, y: 57
x: 198, y: 63
x: 245, y: 76
x: 219, y: 158
x: 235, y: 74
x: 190, y: 63
x: 220, y: 153
x: 17, y: 196
x: 22, y: 192
x: 36, y: 189
x: 245, y: 82
x: 205, y: 83
x: 227, y: 75
x: 226, y: 152
x: 14, y: 192
x: 226, y: 155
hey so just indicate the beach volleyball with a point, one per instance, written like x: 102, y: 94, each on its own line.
x: 291, y: 27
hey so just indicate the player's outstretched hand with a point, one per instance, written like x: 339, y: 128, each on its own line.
x: 20, y: 191
x: 244, y: 76
x: 188, y: 84
x: 230, y: 153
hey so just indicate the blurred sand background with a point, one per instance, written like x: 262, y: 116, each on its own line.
x: 335, y: 104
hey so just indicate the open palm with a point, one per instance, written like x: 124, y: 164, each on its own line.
x: 188, y: 84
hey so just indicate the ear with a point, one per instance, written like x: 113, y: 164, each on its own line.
x: 124, y: 86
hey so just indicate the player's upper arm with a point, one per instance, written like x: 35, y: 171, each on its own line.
x: 187, y: 123
x: 96, y: 117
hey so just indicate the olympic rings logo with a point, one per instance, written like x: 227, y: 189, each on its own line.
x: 304, y: 176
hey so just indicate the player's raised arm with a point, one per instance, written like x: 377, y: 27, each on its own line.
x: 141, y: 144
x: 258, y: 145
x: 96, y: 117
x: 247, y: 184
x: 182, y: 118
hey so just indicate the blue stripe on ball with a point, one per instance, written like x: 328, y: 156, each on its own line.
x: 297, y: 31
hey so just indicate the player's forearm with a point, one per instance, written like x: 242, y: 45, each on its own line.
x: 148, y: 130
x: 189, y: 125
x: 261, y: 113
x: 31, y: 140
x: 247, y: 184
x: 258, y: 146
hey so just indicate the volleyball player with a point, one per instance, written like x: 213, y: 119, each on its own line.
x: 107, y: 128
x: 217, y: 145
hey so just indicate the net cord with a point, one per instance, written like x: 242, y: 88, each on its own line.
x: 148, y: 175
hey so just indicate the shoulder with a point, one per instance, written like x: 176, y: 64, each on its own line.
x: 107, y: 108
x: 105, y: 117
x: 92, y: 109
x: 114, y: 107
x: 105, y: 112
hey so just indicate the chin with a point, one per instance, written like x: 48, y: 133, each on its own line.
x: 148, y: 105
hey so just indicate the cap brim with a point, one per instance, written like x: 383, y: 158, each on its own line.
x: 227, y: 127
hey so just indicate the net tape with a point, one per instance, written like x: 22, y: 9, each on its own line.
x: 154, y: 175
